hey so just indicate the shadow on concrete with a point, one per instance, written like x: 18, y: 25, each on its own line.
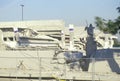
x: 108, y: 54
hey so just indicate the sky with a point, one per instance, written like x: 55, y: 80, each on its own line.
x: 76, y: 12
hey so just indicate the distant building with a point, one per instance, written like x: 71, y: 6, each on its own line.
x: 56, y: 29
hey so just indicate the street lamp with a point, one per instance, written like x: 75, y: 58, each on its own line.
x: 22, y: 10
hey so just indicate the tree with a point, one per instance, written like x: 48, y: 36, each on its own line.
x: 117, y: 22
x: 110, y: 26
x: 100, y: 23
x: 107, y: 26
x: 118, y: 8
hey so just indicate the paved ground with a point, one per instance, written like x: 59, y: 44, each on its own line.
x: 1, y: 79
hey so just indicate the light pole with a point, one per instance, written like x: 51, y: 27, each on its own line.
x: 22, y: 10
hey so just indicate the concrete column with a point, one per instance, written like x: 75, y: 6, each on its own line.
x: 63, y: 38
x: 71, y: 33
x: 106, y: 45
